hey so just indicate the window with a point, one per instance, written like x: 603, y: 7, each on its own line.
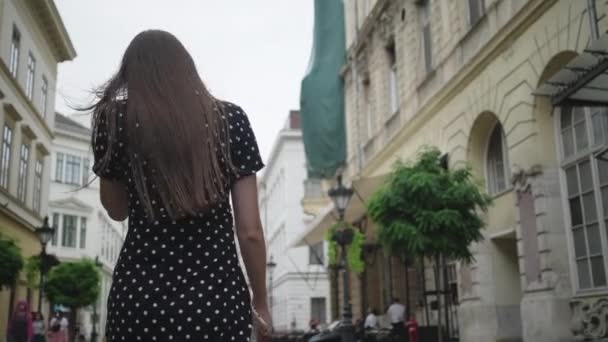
x: 496, y: 161
x: 85, y: 171
x: 315, y: 254
x: 83, y: 232
x: 393, y: 83
x: 37, y: 185
x: 44, y: 96
x: 55, y: 224
x: 24, y: 156
x: 427, y: 47
x: 5, y: 162
x: 476, y: 11
x: 72, y: 170
x: 68, y: 235
x: 318, y: 309
x: 586, y: 191
x: 369, y: 121
x: 13, y: 64
x: 59, y: 167
x: 31, y: 73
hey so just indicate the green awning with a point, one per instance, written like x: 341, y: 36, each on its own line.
x: 322, y: 93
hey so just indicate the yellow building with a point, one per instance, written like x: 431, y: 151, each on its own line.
x: 33, y: 40
x: 462, y: 76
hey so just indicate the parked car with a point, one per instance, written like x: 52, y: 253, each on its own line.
x: 330, y: 334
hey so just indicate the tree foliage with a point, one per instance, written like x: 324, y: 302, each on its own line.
x: 11, y: 261
x: 32, y: 271
x: 425, y: 210
x: 73, y: 284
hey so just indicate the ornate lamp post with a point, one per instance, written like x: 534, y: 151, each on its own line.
x: 271, y: 265
x: 45, y: 234
x: 341, y: 195
x: 95, y: 316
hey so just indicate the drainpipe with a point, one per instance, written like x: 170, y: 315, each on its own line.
x: 357, y: 93
x: 592, y: 11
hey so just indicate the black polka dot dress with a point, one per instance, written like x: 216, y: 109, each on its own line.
x: 178, y: 280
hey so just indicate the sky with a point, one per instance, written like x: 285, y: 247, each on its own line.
x: 252, y: 53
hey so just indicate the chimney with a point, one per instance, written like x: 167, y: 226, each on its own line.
x: 294, y: 119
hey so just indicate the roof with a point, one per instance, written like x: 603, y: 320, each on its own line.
x: 64, y: 123
x: 47, y: 16
x: 583, y: 81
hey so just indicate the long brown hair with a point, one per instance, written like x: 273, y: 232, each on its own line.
x: 171, y: 121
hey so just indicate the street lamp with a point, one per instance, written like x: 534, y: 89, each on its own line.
x: 95, y: 318
x: 341, y: 195
x: 271, y: 265
x: 45, y: 234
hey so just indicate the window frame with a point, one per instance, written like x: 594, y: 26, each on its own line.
x: 566, y: 162
x: 15, y: 52
x: 44, y: 96
x: 64, y: 228
x: 6, y: 155
x: 393, y: 81
x: 82, y: 236
x: 37, y: 196
x: 314, y: 257
x: 426, y: 35
x: 30, y: 77
x: 55, y: 223
x: 481, y: 7
x: 505, y: 160
x: 23, y: 170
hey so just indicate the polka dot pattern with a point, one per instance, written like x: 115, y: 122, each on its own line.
x: 179, y: 280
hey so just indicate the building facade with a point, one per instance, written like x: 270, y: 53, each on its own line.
x: 33, y: 40
x: 462, y: 76
x: 298, y: 284
x: 83, y: 229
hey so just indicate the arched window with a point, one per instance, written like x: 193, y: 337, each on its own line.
x: 583, y: 132
x: 497, y: 165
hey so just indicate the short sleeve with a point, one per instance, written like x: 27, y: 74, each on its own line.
x: 109, y: 161
x: 244, y: 150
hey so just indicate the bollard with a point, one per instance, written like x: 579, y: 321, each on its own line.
x: 412, y: 329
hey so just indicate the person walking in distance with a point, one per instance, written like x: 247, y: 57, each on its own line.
x: 396, y: 314
x: 20, y: 324
x: 172, y: 158
x: 39, y: 328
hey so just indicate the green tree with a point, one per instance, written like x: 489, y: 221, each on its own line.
x: 427, y: 211
x: 11, y: 262
x: 32, y: 271
x: 73, y: 284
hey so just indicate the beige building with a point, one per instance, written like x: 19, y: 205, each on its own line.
x: 462, y: 76
x: 33, y: 40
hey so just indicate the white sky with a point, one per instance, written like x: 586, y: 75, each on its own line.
x: 251, y: 52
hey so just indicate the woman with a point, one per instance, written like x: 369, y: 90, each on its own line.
x: 58, y: 331
x: 20, y: 324
x: 169, y: 155
x: 39, y: 328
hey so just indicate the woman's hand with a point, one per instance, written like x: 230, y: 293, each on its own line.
x: 262, y: 321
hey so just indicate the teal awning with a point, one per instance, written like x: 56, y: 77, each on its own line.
x: 322, y: 93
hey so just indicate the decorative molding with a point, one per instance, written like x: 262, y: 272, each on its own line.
x: 386, y: 27
x: 521, y: 178
x: 28, y: 132
x: 42, y: 149
x: 12, y: 112
x: 362, y: 66
x: 590, y: 319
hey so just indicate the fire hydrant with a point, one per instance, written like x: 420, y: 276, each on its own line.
x: 412, y: 329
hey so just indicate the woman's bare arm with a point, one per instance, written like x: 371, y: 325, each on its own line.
x: 114, y: 199
x: 250, y: 234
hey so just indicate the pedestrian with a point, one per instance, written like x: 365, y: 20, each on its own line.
x: 172, y: 158
x: 58, y: 328
x: 39, y: 328
x: 396, y: 314
x: 371, y: 321
x: 20, y: 324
